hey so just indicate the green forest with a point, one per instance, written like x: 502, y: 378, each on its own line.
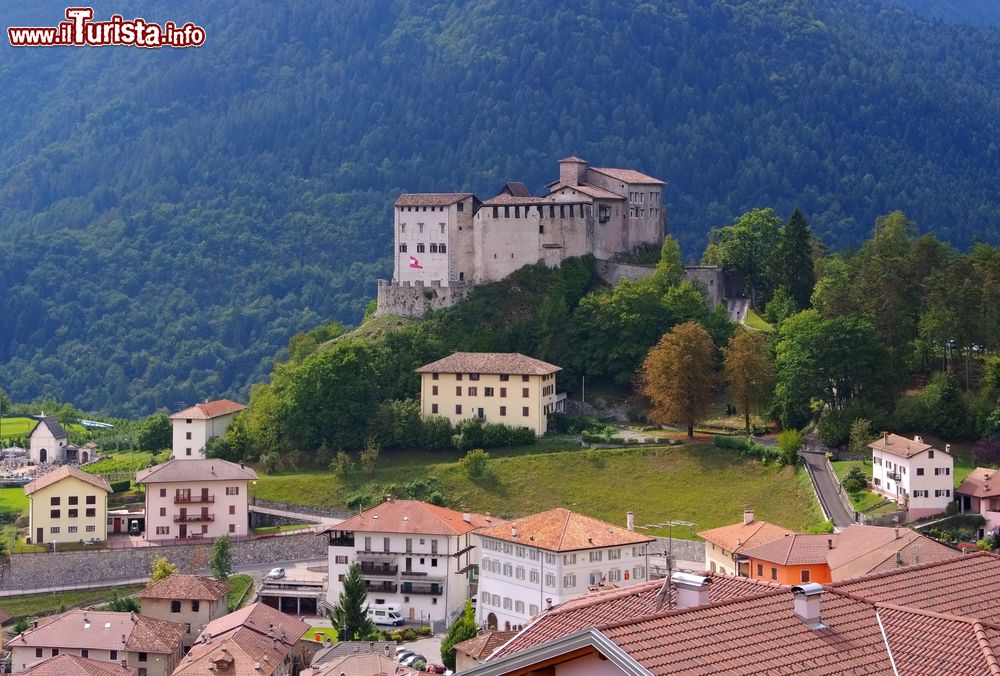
x: 170, y: 218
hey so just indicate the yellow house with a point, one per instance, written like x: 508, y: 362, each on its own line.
x: 67, y: 505
x: 496, y: 387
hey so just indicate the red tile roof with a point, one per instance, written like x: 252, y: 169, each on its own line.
x: 482, y: 646
x: 414, y: 516
x: 862, y: 550
x: 208, y: 410
x: 493, y: 363
x: 64, y: 472
x: 982, y: 482
x: 186, y: 588
x: 738, y: 537
x: 365, y: 664
x: 430, y: 199
x: 104, y: 630
x: 792, y: 550
x: 923, y: 642
x: 592, y: 191
x: 560, y: 530
x: 901, y: 446
x: 66, y: 664
x: 627, y: 175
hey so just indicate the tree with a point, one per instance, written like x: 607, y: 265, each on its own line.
x: 476, y: 463
x: 461, y: 629
x: 793, y: 264
x: 670, y: 268
x: 122, y: 604
x: 160, y: 569
x: 861, y: 436
x: 745, y: 249
x: 155, y: 433
x: 221, y: 562
x: 350, y: 615
x: 749, y: 372
x: 677, y: 376
x: 855, y: 480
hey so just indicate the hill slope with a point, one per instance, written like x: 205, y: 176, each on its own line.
x: 169, y: 218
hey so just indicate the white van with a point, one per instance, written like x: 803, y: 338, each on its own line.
x: 386, y: 613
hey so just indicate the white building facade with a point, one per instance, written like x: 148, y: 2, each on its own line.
x: 194, y: 426
x: 913, y: 473
x: 548, y: 558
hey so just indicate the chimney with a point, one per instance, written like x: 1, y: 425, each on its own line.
x: 692, y: 590
x: 548, y: 603
x: 807, y: 599
x: 885, y: 438
x: 513, y: 531
x: 571, y: 170
x: 124, y: 664
x: 467, y: 517
x: 630, y: 521
x: 829, y: 543
x: 947, y: 448
x: 917, y: 439
x: 899, y: 558
x: 748, y: 516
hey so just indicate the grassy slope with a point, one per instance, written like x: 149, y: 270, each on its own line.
x: 238, y: 595
x: 696, y: 483
x: 13, y: 500
x: 32, y: 605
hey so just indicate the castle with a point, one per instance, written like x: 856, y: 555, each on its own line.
x: 446, y: 243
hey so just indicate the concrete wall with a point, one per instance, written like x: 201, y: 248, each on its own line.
x: 32, y: 571
x: 417, y: 299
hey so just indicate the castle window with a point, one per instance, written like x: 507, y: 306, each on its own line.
x: 496, y: 212
x: 461, y: 206
x: 442, y: 249
x: 402, y: 227
x: 541, y: 229
x: 552, y: 211
x: 506, y: 212
x: 420, y: 248
x: 402, y: 248
x: 517, y: 212
x: 420, y: 228
x: 434, y: 248
x: 442, y: 227
x: 562, y: 211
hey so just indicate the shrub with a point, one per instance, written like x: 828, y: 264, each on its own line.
x: 468, y: 434
x: 270, y: 462
x: 855, y: 480
x: 370, y: 456
x: 436, y: 433
x: 341, y: 463
x: 436, y: 498
x: 120, y: 486
x: 789, y: 443
x: 324, y: 456
x: 476, y: 463
x: 408, y: 634
x: 425, y: 631
x: 396, y: 636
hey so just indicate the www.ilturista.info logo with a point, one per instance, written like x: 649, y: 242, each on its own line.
x: 79, y: 30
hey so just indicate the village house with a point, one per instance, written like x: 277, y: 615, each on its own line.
x: 194, y: 426
x: 191, y: 600
x: 476, y: 650
x: 150, y: 646
x: 67, y: 505
x: 73, y: 665
x: 913, y: 620
x: 980, y: 494
x: 196, y: 499
x: 496, y: 387
x: 450, y: 241
x: 544, y: 559
x: 257, y: 640
x: 913, y: 473
x: 724, y: 546
x: 49, y: 443
x: 411, y: 553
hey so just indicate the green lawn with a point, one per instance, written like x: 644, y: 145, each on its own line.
x: 281, y: 529
x: 699, y: 483
x: 34, y: 605
x: 13, y: 500
x: 756, y: 322
x: 241, y: 594
x: 131, y: 461
x: 325, y: 632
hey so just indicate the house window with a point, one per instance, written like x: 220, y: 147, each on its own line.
x: 503, y: 391
x: 114, y: 653
x: 74, y: 500
x: 187, y: 451
x: 805, y: 576
x: 774, y: 573
x: 54, y: 501
x: 938, y: 471
x: 54, y: 513
x: 434, y: 546
x: 532, y: 610
x: 614, y: 575
x: 434, y: 563
x: 91, y: 529
x: 569, y: 581
x: 569, y: 559
x: 442, y: 248
x: 71, y: 529
x: 142, y: 657
x: 458, y: 391
x: 519, y: 573
x: 930, y: 454
x: 38, y: 652
x: 55, y: 651
x: 458, y: 377
x: 195, y: 607
x: 458, y: 409
x: 385, y: 545
x: 187, y: 435
x: 421, y: 248
x: 175, y: 606
x: 614, y: 554
x: 488, y: 391
x: 519, y: 607
x: 541, y: 229
x: 232, y: 509
x: 461, y: 206
x: 434, y: 390
x: 340, y: 559
x: 163, y: 494
x: 504, y: 377
x: 533, y: 576
x: 434, y: 408
x: 73, y: 513
x: 920, y: 471
x: 524, y: 392
x: 232, y: 528
x: 84, y: 652
x: 473, y: 391
x: 163, y: 511
x: 524, y: 411
x: 163, y: 530
x: 524, y: 379
x: 232, y: 490
x: 434, y: 376
x: 596, y: 556
x: 434, y: 247
x: 409, y: 545
x: 550, y: 580
x: 91, y: 512
x: 760, y: 570
x: 402, y: 248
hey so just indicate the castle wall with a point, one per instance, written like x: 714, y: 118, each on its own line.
x: 416, y: 299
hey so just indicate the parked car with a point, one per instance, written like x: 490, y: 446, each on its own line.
x: 406, y: 654
x: 275, y: 574
x: 400, y: 649
x: 413, y: 658
x: 435, y: 668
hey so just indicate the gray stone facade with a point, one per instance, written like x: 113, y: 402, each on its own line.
x: 416, y: 299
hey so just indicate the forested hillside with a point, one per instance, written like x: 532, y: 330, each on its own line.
x: 169, y: 218
x: 978, y: 12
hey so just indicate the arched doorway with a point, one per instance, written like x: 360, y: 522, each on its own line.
x: 506, y: 626
x: 84, y: 456
x: 42, y: 455
x: 491, y: 622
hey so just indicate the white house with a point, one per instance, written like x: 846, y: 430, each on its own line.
x: 50, y: 443
x: 547, y: 558
x: 914, y: 473
x: 418, y: 555
x: 194, y: 426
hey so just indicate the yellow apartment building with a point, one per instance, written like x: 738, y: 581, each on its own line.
x: 496, y: 387
x: 67, y: 505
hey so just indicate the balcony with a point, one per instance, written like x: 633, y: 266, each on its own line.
x: 380, y: 587
x: 413, y: 573
x: 378, y: 569
x: 432, y: 589
x: 895, y: 476
x: 193, y: 518
x: 193, y: 499
x: 341, y: 540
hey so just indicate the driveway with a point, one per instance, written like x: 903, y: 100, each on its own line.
x: 826, y: 484
x: 429, y: 647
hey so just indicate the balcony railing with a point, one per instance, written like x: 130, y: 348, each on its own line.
x: 193, y: 518
x: 414, y: 573
x: 381, y: 587
x: 343, y: 541
x: 384, y: 570
x: 893, y: 475
x: 193, y: 499
x: 430, y: 589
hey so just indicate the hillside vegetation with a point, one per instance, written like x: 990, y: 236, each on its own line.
x: 160, y: 240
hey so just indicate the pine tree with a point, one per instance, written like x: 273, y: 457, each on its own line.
x: 794, y: 264
x: 350, y: 616
x: 461, y: 629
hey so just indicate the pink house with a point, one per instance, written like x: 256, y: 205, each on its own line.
x: 196, y: 499
x: 980, y: 494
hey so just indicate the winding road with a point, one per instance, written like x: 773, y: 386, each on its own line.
x: 826, y: 484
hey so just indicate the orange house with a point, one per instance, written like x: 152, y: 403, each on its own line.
x: 792, y: 560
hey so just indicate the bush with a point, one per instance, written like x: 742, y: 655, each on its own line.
x: 789, y: 443
x: 855, y: 480
x: 425, y: 631
x: 324, y: 456
x: 860, y: 436
x: 408, y: 634
x: 436, y: 433
x: 476, y: 463
x: 120, y: 486
x: 341, y: 463
x: 370, y: 456
x: 270, y: 462
x: 436, y: 498
x: 468, y: 434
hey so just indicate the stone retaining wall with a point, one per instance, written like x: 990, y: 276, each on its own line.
x: 33, y: 571
x: 684, y: 550
x: 414, y: 299
x: 304, y: 509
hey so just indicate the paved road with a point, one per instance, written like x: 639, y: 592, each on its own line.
x: 826, y: 485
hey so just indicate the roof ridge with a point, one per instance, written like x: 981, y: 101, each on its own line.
x: 680, y: 611
x: 565, y: 526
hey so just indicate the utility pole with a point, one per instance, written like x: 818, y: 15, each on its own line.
x: 663, y: 596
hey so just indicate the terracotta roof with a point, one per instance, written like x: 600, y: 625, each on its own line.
x: 369, y: 664
x: 627, y: 175
x: 792, y: 550
x: 54, y: 426
x: 344, y: 648
x: 255, y: 634
x: 560, y: 530
x: 592, y: 191
x: 515, y: 188
x: 923, y: 642
x: 739, y: 536
x: 968, y: 585
x: 430, y: 199
x: 502, y: 199
x: 208, y: 410
x: 213, y: 469
x: 901, y: 446
x: 5, y: 617
x: 65, y: 472
x: 103, y: 630
x: 66, y: 664
x: 982, y: 482
x: 186, y: 588
x: 620, y: 604
x: 511, y: 363
x: 862, y: 550
x: 414, y: 516
x: 482, y: 646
